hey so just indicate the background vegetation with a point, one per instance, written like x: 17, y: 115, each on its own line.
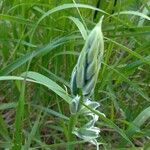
x: 46, y: 36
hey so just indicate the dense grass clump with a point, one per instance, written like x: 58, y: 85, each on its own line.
x: 40, y: 43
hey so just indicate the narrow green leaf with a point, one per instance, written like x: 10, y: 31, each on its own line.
x: 80, y: 27
x: 41, y: 79
x: 32, y: 133
x: 37, y: 52
x: 136, y: 13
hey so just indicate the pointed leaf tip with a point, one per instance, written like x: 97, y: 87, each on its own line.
x: 100, y: 21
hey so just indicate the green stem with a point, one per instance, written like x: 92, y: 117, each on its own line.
x: 72, y: 123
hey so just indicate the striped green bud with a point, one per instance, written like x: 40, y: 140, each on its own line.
x: 73, y: 81
x: 85, y: 76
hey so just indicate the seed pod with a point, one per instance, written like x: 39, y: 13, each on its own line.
x: 89, y: 62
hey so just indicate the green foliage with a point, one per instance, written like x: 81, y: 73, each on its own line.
x: 40, y: 42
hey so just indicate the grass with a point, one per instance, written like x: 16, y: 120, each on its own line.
x: 40, y: 42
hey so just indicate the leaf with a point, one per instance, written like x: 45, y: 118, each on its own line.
x: 136, y: 88
x: 80, y: 27
x: 110, y: 124
x: 142, y: 117
x: 137, y: 123
x: 3, y: 129
x: 50, y: 111
x: 33, y: 132
x: 133, y: 53
x: 43, y: 80
x: 17, y: 138
x: 4, y: 106
x: 63, y: 7
x: 136, y: 13
x: 37, y: 52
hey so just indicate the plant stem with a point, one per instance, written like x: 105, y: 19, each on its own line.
x: 72, y: 123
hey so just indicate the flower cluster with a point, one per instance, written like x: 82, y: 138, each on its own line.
x: 83, y: 81
x: 85, y: 72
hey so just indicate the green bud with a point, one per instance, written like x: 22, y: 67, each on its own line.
x: 73, y: 81
x: 74, y: 105
x: 89, y: 62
